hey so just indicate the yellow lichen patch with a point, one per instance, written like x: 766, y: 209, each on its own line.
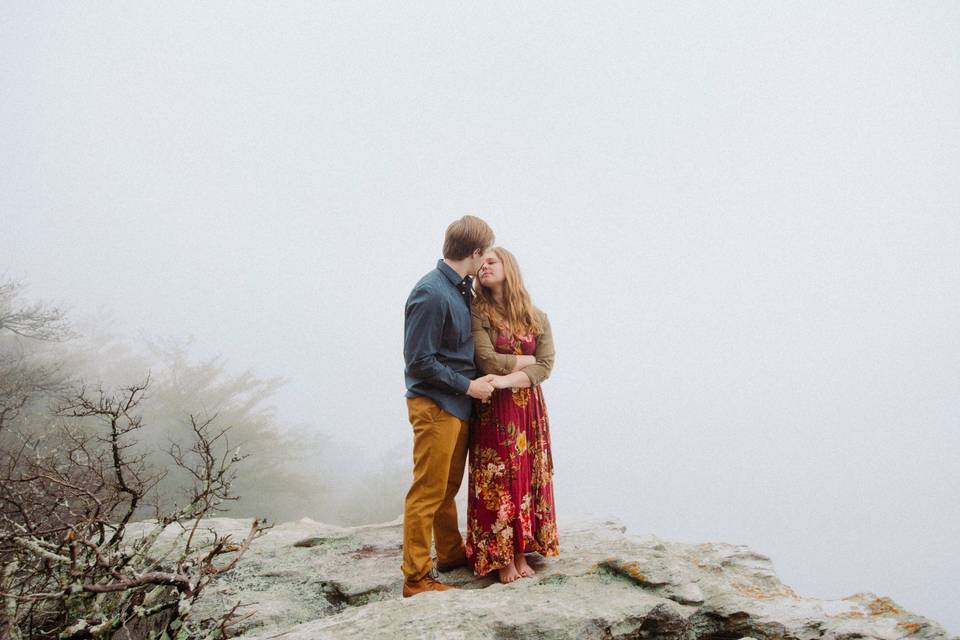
x: 633, y: 569
x: 847, y: 614
x: 880, y: 606
x: 909, y: 627
x: 763, y: 594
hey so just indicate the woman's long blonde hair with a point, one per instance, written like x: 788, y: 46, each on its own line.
x: 516, y: 315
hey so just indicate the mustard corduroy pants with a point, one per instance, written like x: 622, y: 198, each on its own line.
x: 439, y: 457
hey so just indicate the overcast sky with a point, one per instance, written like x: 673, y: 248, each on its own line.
x: 742, y: 218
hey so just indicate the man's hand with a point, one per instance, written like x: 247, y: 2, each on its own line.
x: 491, y: 378
x: 481, y: 388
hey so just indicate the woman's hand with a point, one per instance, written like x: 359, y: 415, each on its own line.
x: 500, y: 382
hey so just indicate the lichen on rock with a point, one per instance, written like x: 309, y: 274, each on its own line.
x: 309, y: 580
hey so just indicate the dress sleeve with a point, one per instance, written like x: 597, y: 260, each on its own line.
x: 488, y: 360
x: 544, y: 354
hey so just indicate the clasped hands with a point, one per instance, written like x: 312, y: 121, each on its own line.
x: 482, y: 388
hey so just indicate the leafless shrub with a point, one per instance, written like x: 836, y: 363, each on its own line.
x: 66, y: 500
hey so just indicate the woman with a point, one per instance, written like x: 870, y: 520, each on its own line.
x: 510, y: 508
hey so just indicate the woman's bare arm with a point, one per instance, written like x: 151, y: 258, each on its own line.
x: 515, y: 380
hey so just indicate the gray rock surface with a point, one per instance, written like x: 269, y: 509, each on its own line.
x: 308, y: 580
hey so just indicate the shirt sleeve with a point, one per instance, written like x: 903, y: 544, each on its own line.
x: 423, y: 330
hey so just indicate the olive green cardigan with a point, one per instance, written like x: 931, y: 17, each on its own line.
x: 489, y: 361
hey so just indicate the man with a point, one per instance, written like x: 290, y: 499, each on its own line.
x: 438, y: 351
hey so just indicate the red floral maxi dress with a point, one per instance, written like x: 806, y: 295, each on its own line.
x: 510, y: 505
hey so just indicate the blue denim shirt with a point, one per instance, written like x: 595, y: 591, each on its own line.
x: 438, y: 343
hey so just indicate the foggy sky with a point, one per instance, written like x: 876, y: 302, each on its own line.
x: 742, y: 219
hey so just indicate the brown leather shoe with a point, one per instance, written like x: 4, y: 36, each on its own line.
x: 412, y: 588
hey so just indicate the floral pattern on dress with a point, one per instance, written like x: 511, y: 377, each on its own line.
x: 510, y: 507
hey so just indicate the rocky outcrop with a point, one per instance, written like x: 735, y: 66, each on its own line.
x: 307, y: 580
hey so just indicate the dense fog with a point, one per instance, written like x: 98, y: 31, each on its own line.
x: 742, y: 219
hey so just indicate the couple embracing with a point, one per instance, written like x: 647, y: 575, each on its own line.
x: 475, y: 357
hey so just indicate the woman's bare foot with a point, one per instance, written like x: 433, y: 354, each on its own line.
x: 525, y: 570
x: 509, y: 573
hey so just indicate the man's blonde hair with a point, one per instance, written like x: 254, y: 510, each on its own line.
x: 466, y: 235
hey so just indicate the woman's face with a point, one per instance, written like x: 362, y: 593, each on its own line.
x: 491, y: 270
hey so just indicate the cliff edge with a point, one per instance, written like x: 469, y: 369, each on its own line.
x: 308, y: 580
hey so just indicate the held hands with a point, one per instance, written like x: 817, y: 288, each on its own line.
x: 481, y: 388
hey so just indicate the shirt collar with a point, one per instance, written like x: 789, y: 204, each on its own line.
x: 464, y: 285
x: 448, y: 271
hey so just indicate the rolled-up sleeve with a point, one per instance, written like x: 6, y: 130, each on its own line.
x: 423, y: 330
x: 544, y: 354
x: 488, y: 360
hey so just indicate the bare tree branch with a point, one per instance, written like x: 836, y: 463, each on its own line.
x: 37, y: 321
x: 66, y: 500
